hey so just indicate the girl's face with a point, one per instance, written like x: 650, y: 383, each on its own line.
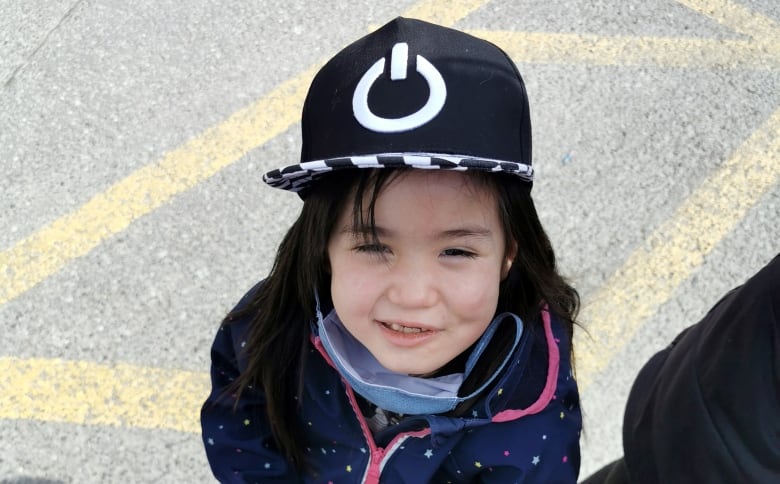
x: 428, y: 289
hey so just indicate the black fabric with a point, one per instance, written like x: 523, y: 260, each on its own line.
x: 485, y: 114
x: 413, y: 95
x: 612, y: 473
x: 707, y: 408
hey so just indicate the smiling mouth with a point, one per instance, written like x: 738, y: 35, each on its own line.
x: 403, y: 329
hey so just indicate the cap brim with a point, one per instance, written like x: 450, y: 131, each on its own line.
x: 298, y: 177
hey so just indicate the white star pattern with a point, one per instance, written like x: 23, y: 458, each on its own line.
x: 210, y: 441
x: 535, y: 460
x: 428, y: 453
x: 267, y: 465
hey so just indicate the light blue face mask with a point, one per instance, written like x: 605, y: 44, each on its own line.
x: 398, y: 392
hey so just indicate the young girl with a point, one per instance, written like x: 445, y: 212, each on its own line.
x: 414, y: 327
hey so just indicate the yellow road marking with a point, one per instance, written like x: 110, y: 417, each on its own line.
x: 737, y: 18
x: 443, y: 13
x: 761, y: 51
x: 155, y: 398
x: 629, y: 51
x: 669, y: 256
x: 88, y: 393
x: 672, y: 253
x: 45, y: 252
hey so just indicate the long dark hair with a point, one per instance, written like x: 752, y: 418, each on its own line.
x: 281, y: 312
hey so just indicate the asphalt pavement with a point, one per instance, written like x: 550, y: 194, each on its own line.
x: 133, y: 138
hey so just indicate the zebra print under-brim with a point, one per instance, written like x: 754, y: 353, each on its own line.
x: 298, y: 177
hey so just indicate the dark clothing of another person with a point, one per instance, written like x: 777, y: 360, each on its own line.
x: 707, y: 408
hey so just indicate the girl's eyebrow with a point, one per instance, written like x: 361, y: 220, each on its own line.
x: 466, y: 232
x: 475, y: 231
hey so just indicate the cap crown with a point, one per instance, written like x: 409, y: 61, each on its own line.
x: 416, y: 87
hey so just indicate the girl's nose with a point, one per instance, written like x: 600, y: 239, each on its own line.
x: 412, y: 284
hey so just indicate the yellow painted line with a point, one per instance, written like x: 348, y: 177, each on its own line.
x: 87, y: 393
x: 38, y: 256
x: 444, y: 13
x: 650, y: 276
x: 533, y: 47
x: 737, y: 17
x: 43, y: 253
x: 134, y: 396
x: 126, y: 395
x: 761, y: 51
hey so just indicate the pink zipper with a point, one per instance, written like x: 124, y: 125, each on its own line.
x: 378, y: 456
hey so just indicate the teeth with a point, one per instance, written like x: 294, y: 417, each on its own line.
x: 403, y: 329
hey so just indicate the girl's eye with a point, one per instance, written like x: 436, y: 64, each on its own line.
x: 458, y: 253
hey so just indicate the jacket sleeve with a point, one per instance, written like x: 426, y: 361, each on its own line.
x: 236, y: 434
x: 550, y: 456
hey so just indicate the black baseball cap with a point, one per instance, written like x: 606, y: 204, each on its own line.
x: 418, y: 95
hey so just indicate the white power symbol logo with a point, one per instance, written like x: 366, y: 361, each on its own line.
x: 398, y: 67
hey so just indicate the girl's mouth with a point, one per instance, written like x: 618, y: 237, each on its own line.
x: 403, y: 329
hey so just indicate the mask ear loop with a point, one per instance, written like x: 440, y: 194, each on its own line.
x: 317, y: 308
x: 314, y: 324
x: 482, y: 344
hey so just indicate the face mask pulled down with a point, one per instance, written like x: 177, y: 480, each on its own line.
x: 398, y: 392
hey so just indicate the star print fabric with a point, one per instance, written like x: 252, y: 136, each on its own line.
x: 241, y: 437
x: 524, y: 429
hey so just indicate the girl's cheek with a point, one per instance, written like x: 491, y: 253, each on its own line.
x: 478, y: 293
x: 473, y: 302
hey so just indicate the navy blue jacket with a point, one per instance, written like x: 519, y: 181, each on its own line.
x: 525, y: 428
